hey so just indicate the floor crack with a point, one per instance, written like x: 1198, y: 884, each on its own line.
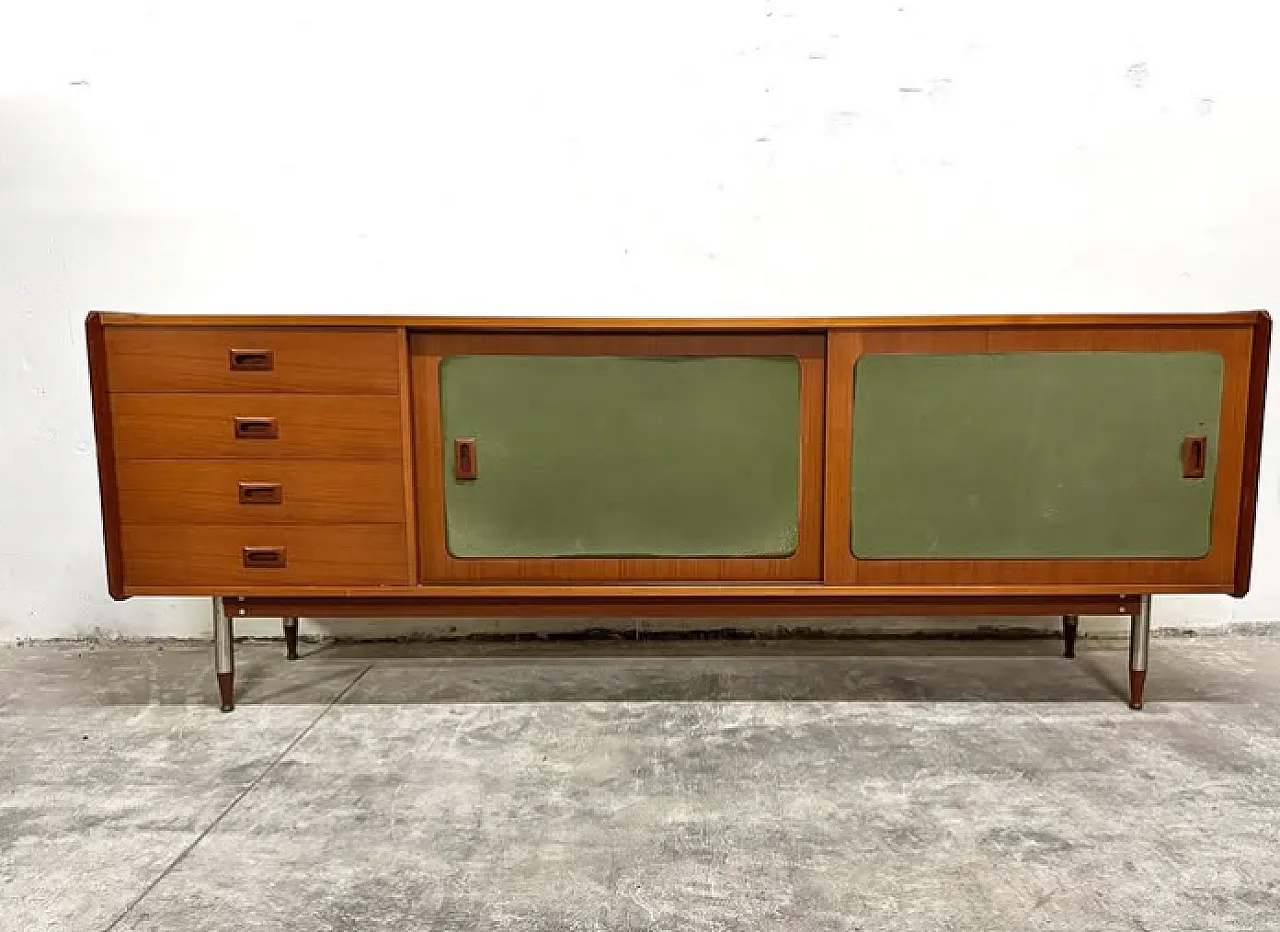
x: 182, y: 855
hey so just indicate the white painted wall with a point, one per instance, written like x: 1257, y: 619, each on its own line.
x: 740, y: 157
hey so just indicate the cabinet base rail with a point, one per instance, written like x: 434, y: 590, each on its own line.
x: 225, y: 609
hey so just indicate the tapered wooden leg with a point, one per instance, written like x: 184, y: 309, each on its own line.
x: 1139, y: 637
x: 1070, y: 625
x: 1137, y: 683
x: 224, y: 656
x: 227, y: 691
x: 291, y: 638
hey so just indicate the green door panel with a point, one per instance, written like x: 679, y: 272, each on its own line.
x: 615, y: 456
x: 1032, y: 455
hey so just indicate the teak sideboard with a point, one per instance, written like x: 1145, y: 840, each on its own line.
x: 325, y: 466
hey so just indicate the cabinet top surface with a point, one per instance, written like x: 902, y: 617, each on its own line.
x: 527, y: 324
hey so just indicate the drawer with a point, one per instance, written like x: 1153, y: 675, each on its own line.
x: 257, y: 492
x: 186, y: 558
x: 191, y: 426
x: 219, y: 359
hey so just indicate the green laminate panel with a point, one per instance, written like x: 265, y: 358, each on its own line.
x: 623, y: 456
x: 1032, y: 455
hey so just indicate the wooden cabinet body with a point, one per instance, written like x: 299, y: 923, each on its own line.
x: 464, y: 466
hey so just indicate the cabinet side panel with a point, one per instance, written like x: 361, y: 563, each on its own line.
x: 1259, y: 356
x: 409, y: 456
x: 108, y: 487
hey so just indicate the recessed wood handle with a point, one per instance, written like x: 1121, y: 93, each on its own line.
x: 1195, y: 452
x: 255, y: 557
x: 464, y: 458
x: 252, y: 360
x: 261, y: 493
x: 257, y: 428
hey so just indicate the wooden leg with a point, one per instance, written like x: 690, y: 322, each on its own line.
x: 1139, y: 636
x: 224, y: 656
x: 227, y: 691
x: 1070, y: 625
x: 1137, y: 683
x: 291, y: 638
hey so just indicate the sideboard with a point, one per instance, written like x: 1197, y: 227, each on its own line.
x: 291, y: 466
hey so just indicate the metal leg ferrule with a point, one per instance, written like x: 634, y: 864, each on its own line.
x: 291, y: 638
x: 1139, y: 641
x: 224, y: 655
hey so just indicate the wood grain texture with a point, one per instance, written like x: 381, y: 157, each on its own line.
x: 802, y: 345
x: 100, y: 390
x: 313, y: 492
x: 428, y: 450
x: 437, y: 564
x: 201, y: 426
x: 1259, y: 355
x: 332, y: 361
x: 408, y: 462
x: 1213, y: 573
x: 197, y: 559
x: 657, y: 607
x: 681, y: 324
x: 843, y: 350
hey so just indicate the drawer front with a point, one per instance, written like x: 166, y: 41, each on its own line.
x: 1034, y: 455
x: 192, y: 557
x: 257, y: 492
x: 201, y: 426
x: 189, y: 359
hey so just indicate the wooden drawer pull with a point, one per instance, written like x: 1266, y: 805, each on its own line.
x: 464, y: 458
x: 1194, y: 455
x: 257, y: 428
x: 253, y: 360
x: 255, y: 557
x: 261, y: 493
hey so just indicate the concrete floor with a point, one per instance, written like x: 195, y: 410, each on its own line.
x: 809, y: 785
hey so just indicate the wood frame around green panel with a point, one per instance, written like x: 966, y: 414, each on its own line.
x: 438, y: 564
x: 1215, y: 572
